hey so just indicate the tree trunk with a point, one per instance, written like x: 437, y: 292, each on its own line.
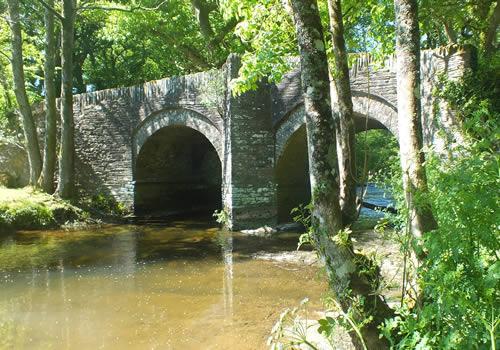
x: 46, y: 180
x: 340, y: 260
x: 491, y: 32
x: 202, y: 10
x: 66, y: 160
x: 345, y: 119
x: 409, y: 117
x: 450, y: 32
x: 29, y: 127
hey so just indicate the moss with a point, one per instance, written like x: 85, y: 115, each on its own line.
x: 29, y: 209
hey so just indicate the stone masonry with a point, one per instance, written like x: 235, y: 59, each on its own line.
x: 249, y: 132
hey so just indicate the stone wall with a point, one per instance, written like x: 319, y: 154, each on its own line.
x: 250, y: 188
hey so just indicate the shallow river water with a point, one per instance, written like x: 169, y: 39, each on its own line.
x: 182, y: 286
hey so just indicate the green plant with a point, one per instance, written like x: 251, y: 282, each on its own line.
x: 341, y: 319
x: 25, y: 214
x: 474, y: 99
x: 459, y: 278
x: 302, y: 215
x: 106, y: 204
x: 222, y: 217
x: 291, y: 329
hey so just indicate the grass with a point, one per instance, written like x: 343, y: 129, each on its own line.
x: 27, y: 208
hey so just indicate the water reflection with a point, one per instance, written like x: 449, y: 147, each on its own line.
x: 227, y: 289
x: 178, y: 287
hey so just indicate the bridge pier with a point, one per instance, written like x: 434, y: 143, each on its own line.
x: 249, y: 193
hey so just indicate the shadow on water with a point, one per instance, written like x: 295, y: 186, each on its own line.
x: 176, y: 240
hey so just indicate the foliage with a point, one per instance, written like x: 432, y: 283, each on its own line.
x: 222, y: 217
x: 381, y: 150
x: 26, y: 209
x: 329, y: 324
x: 475, y: 100
x: 467, y: 20
x: 291, y: 329
x: 103, y: 204
x: 460, y: 276
x: 302, y: 215
x: 267, y: 28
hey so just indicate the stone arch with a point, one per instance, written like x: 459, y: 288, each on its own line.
x: 290, y: 123
x: 292, y: 175
x: 176, y: 117
x: 381, y: 114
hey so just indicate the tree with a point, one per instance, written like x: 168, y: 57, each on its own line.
x: 66, y: 160
x: 29, y: 128
x: 345, y: 120
x: 409, y: 117
x: 46, y: 180
x: 333, y: 245
x: 490, y: 36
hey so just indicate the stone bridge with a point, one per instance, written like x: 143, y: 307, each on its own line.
x: 185, y: 143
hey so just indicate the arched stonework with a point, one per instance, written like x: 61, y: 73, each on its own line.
x: 377, y: 108
x: 383, y: 113
x: 178, y: 116
x: 290, y: 123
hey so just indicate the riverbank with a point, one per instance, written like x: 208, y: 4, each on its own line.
x: 29, y: 209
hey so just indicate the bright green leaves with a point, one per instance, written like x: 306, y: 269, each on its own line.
x: 266, y: 28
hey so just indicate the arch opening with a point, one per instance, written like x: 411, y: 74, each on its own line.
x: 177, y: 171
x: 292, y: 175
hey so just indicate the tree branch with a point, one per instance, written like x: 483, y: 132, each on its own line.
x: 51, y: 9
x: 230, y: 25
x: 6, y: 56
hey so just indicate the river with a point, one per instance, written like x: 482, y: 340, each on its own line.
x: 181, y: 285
x: 185, y: 286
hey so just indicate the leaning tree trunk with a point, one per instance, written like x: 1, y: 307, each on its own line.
x: 409, y: 117
x: 29, y: 128
x: 345, y: 121
x: 66, y: 161
x: 345, y: 279
x: 46, y: 180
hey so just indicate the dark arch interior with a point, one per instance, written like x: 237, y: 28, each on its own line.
x: 292, y: 175
x: 362, y: 123
x: 177, y: 171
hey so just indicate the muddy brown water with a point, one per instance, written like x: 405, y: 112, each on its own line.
x: 186, y: 285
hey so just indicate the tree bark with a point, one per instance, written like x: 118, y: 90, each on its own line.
x: 345, y: 279
x: 66, y: 159
x: 29, y: 127
x: 203, y: 9
x: 46, y: 180
x: 451, y: 34
x: 491, y: 32
x: 409, y: 117
x: 345, y: 118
